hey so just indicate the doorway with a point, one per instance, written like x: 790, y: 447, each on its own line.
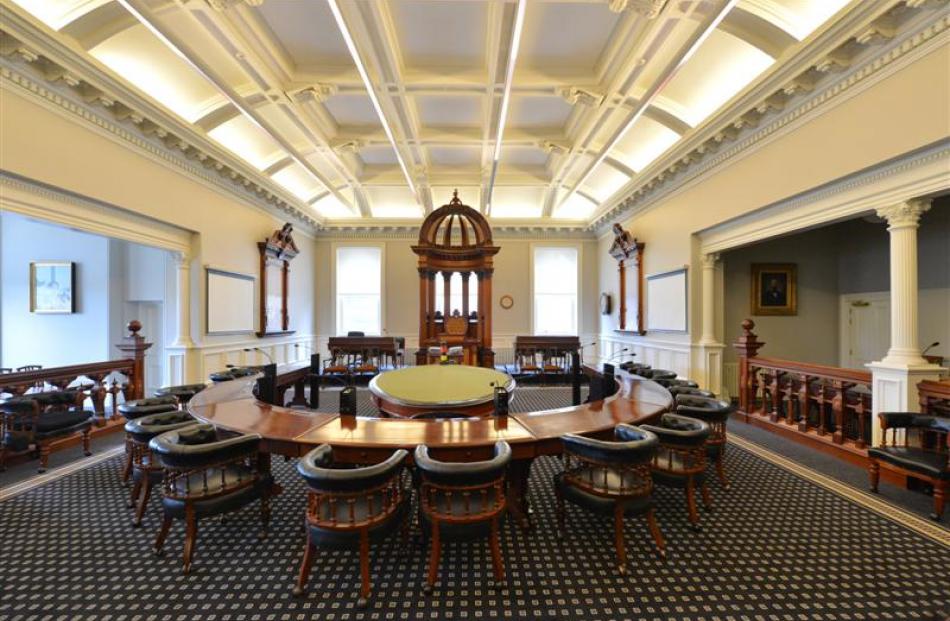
x: 865, y: 328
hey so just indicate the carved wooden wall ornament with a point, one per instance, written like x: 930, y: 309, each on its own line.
x: 276, y: 253
x: 629, y: 253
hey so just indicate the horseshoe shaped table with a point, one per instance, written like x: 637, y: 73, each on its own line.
x: 291, y: 432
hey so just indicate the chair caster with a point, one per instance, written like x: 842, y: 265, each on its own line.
x: 873, y: 490
x: 696, y: 527
x: 158, y: 552
x: 935, y: 517
x: 427, y: 589
x: 362, y: 602
x: 622, y: 570
x: 87, y: 453
x: 261, y: 536
x: 136, y: 524
x: 298, y: 591
x: 186, y: 569
x: 40, y: 470
x: 661, y: 554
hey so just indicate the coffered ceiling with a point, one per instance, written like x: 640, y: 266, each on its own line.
x: 536, y: 110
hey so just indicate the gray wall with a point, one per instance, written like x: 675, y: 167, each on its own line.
x: 849, y: 257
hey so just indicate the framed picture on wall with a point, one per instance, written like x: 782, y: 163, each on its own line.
x: 53, y: 287
x: 774, y: 289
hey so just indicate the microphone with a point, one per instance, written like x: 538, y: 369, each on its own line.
x: 258, y: 349
x: 929, y: 347
x: 621, y: 354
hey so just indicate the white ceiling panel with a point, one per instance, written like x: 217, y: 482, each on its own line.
x: 798, y: 18
x: 331, y: 208
x: 643, y: 143
x: 566, y: 35
x: 517, y: 202
x: 352, y: 109
x: 378, y: 154
x: 720, y: 68
x: 58, y: 13
x: 604, y: 181
x: 576, y: 207
x: 455, y: 156
x: 393, y: 202
x: 247, y: 141
x: 306, y: 31
x: 469, y: 195
x: 449, y: 110
x: 440, y: 32
x: 296, y: 180
x: 523, y: 156
x: 538, y: 112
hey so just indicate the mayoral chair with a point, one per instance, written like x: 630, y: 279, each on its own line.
x: 147, y: 472
x: 680, y: 460
x: 209, y: 472
x: 915, y: 445
x: 716, y: 414
x: 39, y: 418
x: 351, y: 507
x: 610, y: 478
x: 462, y: 502
x: 130, y: 410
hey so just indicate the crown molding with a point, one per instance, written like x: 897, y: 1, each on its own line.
x: 411, y: 232
x: 764, y: 114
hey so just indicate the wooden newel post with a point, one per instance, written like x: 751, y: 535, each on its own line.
x: 134, y: 347
x: 747, y: 346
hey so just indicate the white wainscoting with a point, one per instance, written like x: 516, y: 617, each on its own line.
x: 659, y: 354
x: 730, y: 380
x: 208, y: 359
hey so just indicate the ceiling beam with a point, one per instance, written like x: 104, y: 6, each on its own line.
x: 708, y: 24
x: 515, y: 42
x: 141, y: 11
x: 490, y: 112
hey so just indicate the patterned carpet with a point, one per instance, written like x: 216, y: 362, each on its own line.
x: 777, y: 547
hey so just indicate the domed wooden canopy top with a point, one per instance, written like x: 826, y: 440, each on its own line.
x: 454, y: 226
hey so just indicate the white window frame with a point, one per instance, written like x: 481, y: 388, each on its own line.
x: 333, y: 288
x: 580, y: 270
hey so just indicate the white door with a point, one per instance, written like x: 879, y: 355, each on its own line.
x: 868, y: 333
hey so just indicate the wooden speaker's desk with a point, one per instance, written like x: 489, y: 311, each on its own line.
x: 231, y: 405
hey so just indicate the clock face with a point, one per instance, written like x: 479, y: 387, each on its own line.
x: 506, y: 302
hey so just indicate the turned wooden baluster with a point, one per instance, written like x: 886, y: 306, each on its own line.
x: 747, y: 346
x: 862, y: 408
x: 788, y: 393
x: 807, y: 398
x: 837, y: 408
x: 775, y: 377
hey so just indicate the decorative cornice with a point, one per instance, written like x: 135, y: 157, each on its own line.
x: 767, y: 120
x: 411, y: 232
x: 647, y: 8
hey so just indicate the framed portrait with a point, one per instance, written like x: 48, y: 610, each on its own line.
x: 774, y: 289
x: 53, y: 287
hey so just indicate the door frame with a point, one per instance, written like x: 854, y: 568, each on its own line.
x: 844, y: 333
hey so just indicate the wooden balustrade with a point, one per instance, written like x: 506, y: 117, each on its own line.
x: 935, y: 397
x: 829, y: 403
x: 99, y: 380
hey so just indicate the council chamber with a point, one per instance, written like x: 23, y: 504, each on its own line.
x: 475, y: 309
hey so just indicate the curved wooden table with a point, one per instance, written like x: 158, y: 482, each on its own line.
x: 231, y: 405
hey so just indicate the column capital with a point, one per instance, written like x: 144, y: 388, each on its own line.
x: 906, y: 213
x: 181, y: 258
x: 709, y: 259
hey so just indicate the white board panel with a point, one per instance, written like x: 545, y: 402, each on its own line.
x: 666, y: 301
x: 230, y: 302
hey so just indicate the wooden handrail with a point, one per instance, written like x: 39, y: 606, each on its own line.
x: 812, y: 398
x: 132, y: 367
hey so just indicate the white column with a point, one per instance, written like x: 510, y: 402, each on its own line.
x: 895, y: 378
x: 183, y: 291
x: 903, y: 220
x: 709, y: 264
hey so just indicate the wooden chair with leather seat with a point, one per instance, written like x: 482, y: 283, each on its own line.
x: 462, y: 501
x: 184, y: 392
x: 130, y: 410
x: 147, y: 472
x: 675, y: 382
x: 716, y: 414
x: 38, y: 418
x: 918, y: 445
x: 352, y: 507
x: 611, y: 478
x: 680, y: 460
x: 209, y: 472
x: 689, y: 390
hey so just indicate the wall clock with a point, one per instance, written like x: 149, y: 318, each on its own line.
x: 506, y: 301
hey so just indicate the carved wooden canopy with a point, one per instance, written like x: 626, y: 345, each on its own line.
x: 455, y: 231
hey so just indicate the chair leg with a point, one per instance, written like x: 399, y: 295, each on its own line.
x: 619, y: 544
x: 561, y: 511
x: 44, y: 457
x: 707, y: 499
x: 162, y: 534
x: 498, y: 564
x: 940, y: 495
x: 721, y: 468
x: 691, y: 503
x: 85, y: 443
x: 191, y: 534
x: 127, y: 466
x: 874, y: 470
x: 136, y: 489
x: 142, y: 501
x: 434, y: 557
x: 364, y: 569
x: 657, y: 535
x: 305, y: 565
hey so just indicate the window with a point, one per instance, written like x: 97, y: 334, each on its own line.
x: 359, y: 279
x: 555, y: 290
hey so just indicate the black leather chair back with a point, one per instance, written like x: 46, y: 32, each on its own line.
x: 201, y: 446
x: 144, y: 407
x: 676, y: 430
x: 659, y: 374
x: 316, y: 468
x: 709, y: 410
x: 145, y: 428
x: 669, y: 383
x: 466, y: 473
x: 632, y: 445
x: 688, y: 390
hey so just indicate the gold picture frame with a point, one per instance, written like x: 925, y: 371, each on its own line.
x: 53, y: 287
x: 774, y: 289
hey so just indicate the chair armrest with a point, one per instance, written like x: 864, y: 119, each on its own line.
x: 175, y: 451
x: 314, y: 468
